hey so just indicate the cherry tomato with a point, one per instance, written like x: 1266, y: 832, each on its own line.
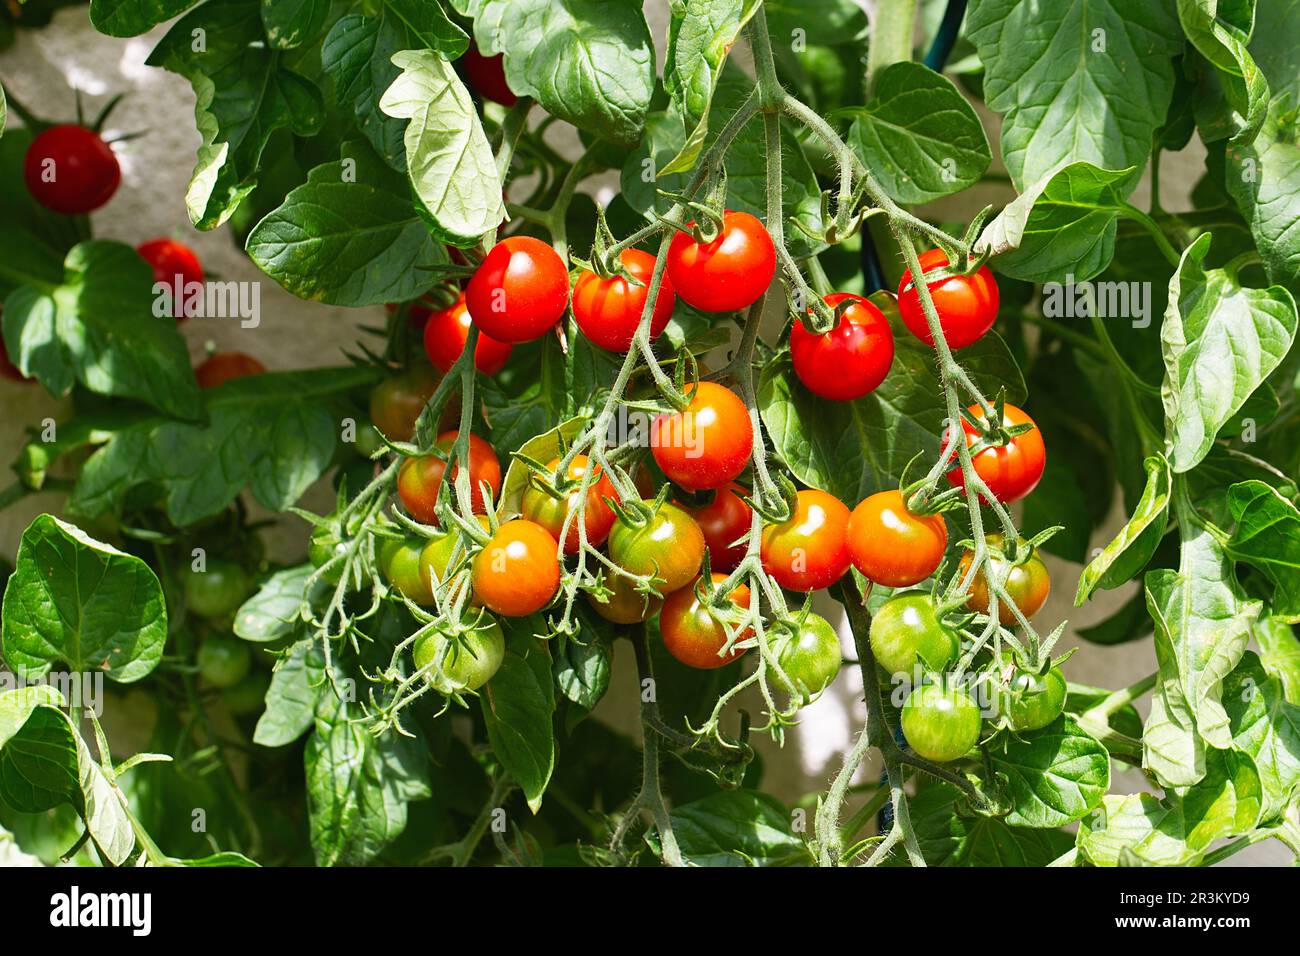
x: 728, y: 274
x: 892, y: 546
x: 967, y: 305
x: 224, y: 661
x: 724, y: 521
x: 456, y: 665
x: 402, y: 567
x: 519, y: 291
x: 609, y: 310
x: 941, y: 723
x: 436, y: 558
x: 487, y: 75
x: 625, y: 604
x: 692, y: 633
x: 1032, y: 701
x: 850, y: 360
x: 669, y: 546
x: 517, y: 572
x: 70, y: 169
x: 249, y: 695
x: 1028, y: 583
x: 172, y: 263
x: 221, y: 367
x: 1012, y: 470
x: 446, y: 332
x: 906, y: 632
x: 396, y: 403
x: 810, y: 658
x: 598, y: 517
x: 324, y: 545
x: 809, y: 550
x: 419, y: 480
x: 218, y: 590
x: 706, y: 445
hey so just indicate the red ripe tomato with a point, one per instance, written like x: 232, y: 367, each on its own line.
x: 446, y: 332
x: 69, y: 169
x: 706, y: 445
x: 487, y: 75
x: 690, y: 631
x: 728, y: 274
x: 723, y: 520
x: 420, y: 479
x: 967, y: 305
x: 519, y: 291
x: 850, y: 360
x: 517, y: 572
x: 609, y: 310
x: 174, y: 264
x: 809, y: 550
x: 221, y: 367
x: 892, y: 546
x: 598, y: 517
x: 396, y: 403
x: 1012, y: 470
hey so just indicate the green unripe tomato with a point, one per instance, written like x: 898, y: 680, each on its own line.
x: 217, y: 592
x: 907, y: 630
x: 404, y: 571
x: 368, y: 440
x: 941, y: 723
x: 1032, y: 701
x: 465, y: 664
x: 325, y: 544
x: 810, y: 659
x: 224, y: 661
x: 249, y: 695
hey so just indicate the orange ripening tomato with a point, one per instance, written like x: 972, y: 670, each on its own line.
x: 892, y: 546
x: 809, y: 550
x: 541, y: 506
x: 221, y: 367
x: 517, y: 572
x: 692, y: 633
x: 419, y: 480
x: 1013, y: 470
x: 708, y: 444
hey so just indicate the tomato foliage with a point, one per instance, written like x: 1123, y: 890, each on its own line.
x: 758, y: 392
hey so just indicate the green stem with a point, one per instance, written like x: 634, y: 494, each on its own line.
x: 1129, y: 211
x: 891, y: 37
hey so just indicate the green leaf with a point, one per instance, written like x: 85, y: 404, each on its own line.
x: 700, y: 37
x: 1082, y: 698
x: 275, y: 611
x: 919, y: 136
x: 1265, y: 727
x: 75, y: 600
x: 517, y: 705
x: 97, y: 326
x: 358, y: 785
x: 1280, y: 652
x: 44, y: 763
x: 448, y: 156
x: 1131, y: 549
x: 737, y: 828
x: 1273, y: 46
x: 819, y: 22
x: 582, y: 670
x: 1260, y: 177
x: 1267, y: 536
x: 590, y: 62
x: 130, y: 18
x: 1219, y: 31
x: 348, y: 236
x: 949, y: 835
x: 1089, y: 80
x: 358, y: 55
x: 427, y: 21
x: 243, y: 93
x: 1220, y: 341
x: 1054, y: 775
x: 291, y: 698
x: 1201, y: 629
x: 1064, y: 225
x: 291, y: 23
x: 853, y: 449
x: 274, y: 432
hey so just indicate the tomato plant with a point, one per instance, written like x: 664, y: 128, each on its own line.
x: 631, y: 268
